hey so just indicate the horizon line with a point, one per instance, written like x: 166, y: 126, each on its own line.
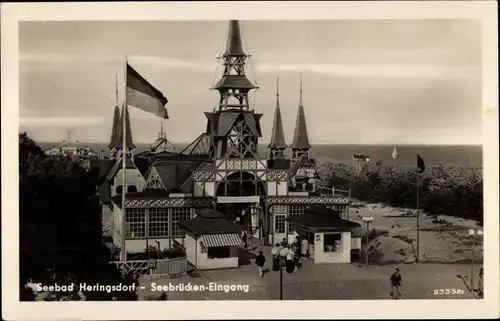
x: 265, y: 143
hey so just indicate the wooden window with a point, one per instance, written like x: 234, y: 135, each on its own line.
x: 295, y: 210
x: 158, y: 222
x: 279, y: 223
x: 131, y: 189
x: 119, y: 189
x: 135, y: 222
x: 179, y: 214
x: 220, y: 252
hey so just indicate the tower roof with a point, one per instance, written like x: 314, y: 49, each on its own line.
x: 234, y: 82
x: 277, y: 134
x: 115, y: 129
x: 129, y: 142
x: 233, y: 44
x: 300, y: 136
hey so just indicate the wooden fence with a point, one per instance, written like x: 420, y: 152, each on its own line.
x: 153, y: 267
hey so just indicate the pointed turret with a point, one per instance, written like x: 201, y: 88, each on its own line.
x: 277, y: 145
x: 233, y: 45
x: 300, y: 144
x: 234, y: 85
x: 128, y: 142
x: 115, y: 129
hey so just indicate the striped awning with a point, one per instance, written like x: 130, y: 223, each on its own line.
x: 223, y: 239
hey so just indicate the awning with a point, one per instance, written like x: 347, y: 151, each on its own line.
x: 222, y: 239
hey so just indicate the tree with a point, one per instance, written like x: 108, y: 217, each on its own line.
x: 60, y: 226
x: 444, y: 189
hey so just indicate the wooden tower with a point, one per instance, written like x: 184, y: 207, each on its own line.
x: 234, y: 126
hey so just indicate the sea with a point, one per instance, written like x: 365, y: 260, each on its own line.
x: 465, y: 155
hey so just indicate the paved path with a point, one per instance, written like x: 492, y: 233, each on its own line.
x: 325, y: 282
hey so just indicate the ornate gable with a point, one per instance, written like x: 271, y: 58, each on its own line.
x: 305, y: 168
x: 154, y: 181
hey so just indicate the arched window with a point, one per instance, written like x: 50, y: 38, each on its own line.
x: 119, y: 189
x: 131, y: 189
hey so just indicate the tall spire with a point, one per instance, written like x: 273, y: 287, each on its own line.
x: 234, y: 85
x: 233, y: 45
x: 300, y: 144
x: 277, y: 145
x: 116, y: 89
x: 300, y: 95
x: 125, y: 117
x: 115, y: 129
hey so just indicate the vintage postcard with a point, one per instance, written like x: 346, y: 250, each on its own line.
x: 340, y: 157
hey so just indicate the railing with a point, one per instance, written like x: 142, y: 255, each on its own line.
x: 153, y: 267
x: 334, y: 191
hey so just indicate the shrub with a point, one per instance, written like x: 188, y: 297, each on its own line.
x: 372, y: 234
x: 152, y: 253
x: 446, y: 189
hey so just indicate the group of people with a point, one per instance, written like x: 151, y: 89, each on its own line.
x: 290, y: 253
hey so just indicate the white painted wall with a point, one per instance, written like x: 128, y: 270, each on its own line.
x: 117, y: 226
x: 355, y: 243
x: 199, y: 257
x: 190, y: 244
x: 134, y: 177
x: 198, y: 189
x: 107, y: 218
x: 332, y: 257
x: 210, y: 189
x: 282, y: 188
x: 271, y: 188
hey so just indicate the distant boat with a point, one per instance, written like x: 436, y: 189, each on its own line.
x: 394, y: 152
x: 361, y: 157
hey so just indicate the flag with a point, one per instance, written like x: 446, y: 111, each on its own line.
x: 394, y: 153
x: 420, y: 164
x: 141, y: 94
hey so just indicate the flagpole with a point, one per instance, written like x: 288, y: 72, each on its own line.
x: 124, y: 161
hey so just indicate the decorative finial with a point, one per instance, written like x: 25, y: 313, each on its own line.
x: 277, y: 87
x: 116, y: 89
x: 301, y: 88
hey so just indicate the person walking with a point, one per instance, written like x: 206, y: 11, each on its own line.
x: 396, y: 280
x: 289, y: 260
x: 304, y: 247
x: 275, y: 252
x: 480, y: 288
x: 260, y: 261
x: 296, y: 254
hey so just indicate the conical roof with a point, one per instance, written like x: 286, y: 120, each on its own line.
x: 300, y: 136
x: 277, y: 133
x: 115, y: 129
x: 233, y: 45
x: 129, y: 142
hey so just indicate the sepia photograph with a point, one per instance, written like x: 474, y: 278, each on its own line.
x: 245, y: 159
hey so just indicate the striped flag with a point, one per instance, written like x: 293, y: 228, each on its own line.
x: 141, y: 94
x: 420, y: 164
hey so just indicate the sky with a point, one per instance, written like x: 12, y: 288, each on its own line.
x: 364, y: 81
